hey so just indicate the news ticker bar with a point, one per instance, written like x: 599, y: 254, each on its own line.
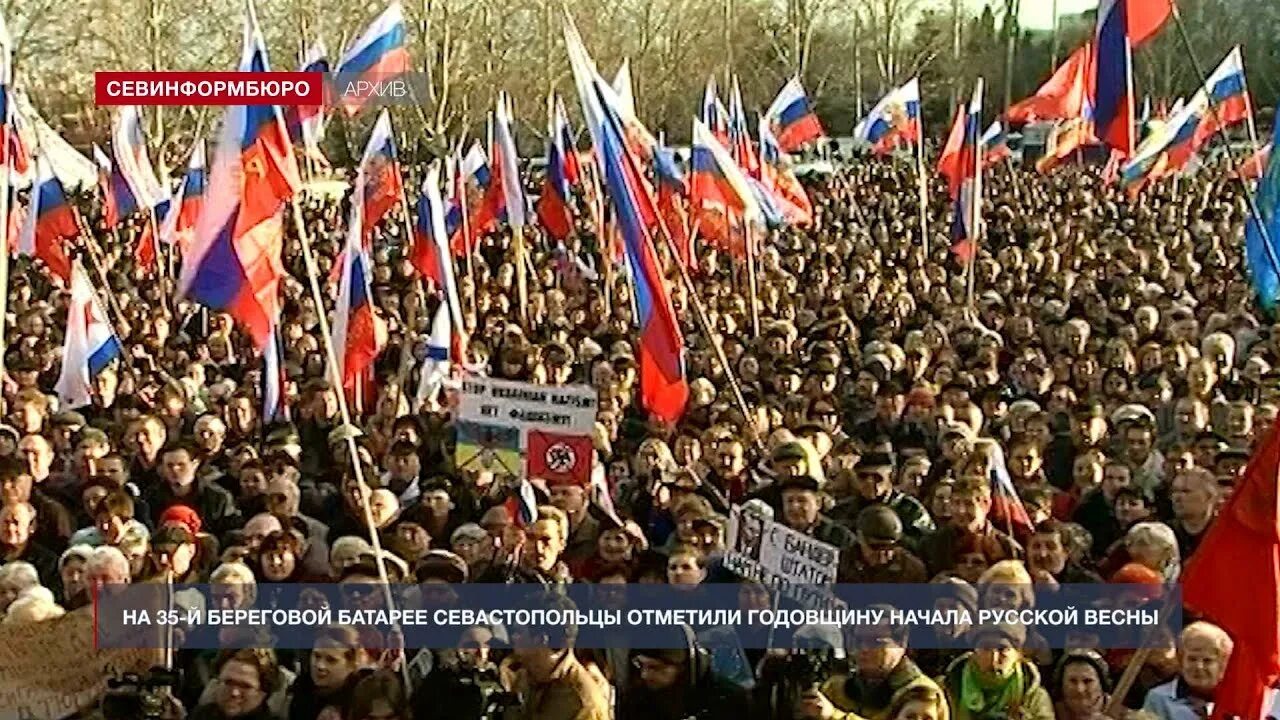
x: 307, y: 89
x: 606, y: 616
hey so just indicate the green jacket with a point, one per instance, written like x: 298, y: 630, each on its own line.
x: 856, y: 699
x: 1034, y: 704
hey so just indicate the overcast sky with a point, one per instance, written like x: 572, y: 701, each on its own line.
x: 1038, y: 14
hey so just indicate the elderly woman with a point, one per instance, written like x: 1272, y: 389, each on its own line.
x: 1081, y: 683
x: 1152, y: 544
x: 73, y: 571
x: 1205, y: 649
x: 995, y: 681
x: 15, y: 578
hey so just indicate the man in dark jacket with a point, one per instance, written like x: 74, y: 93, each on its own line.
x: 678, y: 683
x: 180, y: 466
x: 878, y: 556
x: 873, y: 484
x: 801, y: 512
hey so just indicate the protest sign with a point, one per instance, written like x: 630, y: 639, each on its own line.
x: 549, y: 426
x: 49, y: 670
x: 780, y: 558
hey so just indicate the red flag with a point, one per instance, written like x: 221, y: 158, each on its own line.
x: 1063, y: 96
x: 560, y: 459
x: 1243, y: 544
x: 144, y: 254
x: 949, y: 164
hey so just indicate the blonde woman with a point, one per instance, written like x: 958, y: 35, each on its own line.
x: 1007, y: 586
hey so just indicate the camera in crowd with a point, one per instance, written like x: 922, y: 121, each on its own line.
x: 132, y: 696
x: 494, y: 698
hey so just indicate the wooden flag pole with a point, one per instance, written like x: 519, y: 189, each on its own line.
x: 975, y: 211
x: 922, y: 189
x: 700, y: 313
x: 410, y: 319
x: 749, y: 240
x: 353, y: 450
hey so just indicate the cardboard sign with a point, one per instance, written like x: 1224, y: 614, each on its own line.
x: 49, y: 670
x: 780, y: 558
x: 548, y: 427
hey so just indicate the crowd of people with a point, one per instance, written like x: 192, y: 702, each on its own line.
x: 1112, y: 359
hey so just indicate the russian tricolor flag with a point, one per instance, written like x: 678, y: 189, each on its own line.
x: 792, y: 118
x: 377, y: 56
x: 716, y: 180
x: 431, y: 256
x: 1006, y: 506
x: 995, y: 145
x: 1170, y: 146
x: 555, y: 209
x: 968, y: 197
x: 90, y: 344
x: 1223, y: 102
x: 894, y: 120
x: 275, y: 405
x: 673, y: 193
x: 780, y: 181
x: 50, y: 222
x: 130, y: 146
x: 306, y: 122
x: 180, y: 222
x: 379, y: 176
x: 13, y: 151
x: 359, y: 335
x: 506, y: 164
x: 714, y: 115
x: 468, y: 187
x: 1123, y: 25
x: 234, y: 261
x: 664, y: 391
x: 118, y: 202
x: 740, y: 145
x: 950, y: 165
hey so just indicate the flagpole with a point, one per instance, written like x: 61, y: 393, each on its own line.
x: 353, y: 451
x: 411, y: 319
x: 1249, y: 196
x: 700, y: 313
x: 1249, y: 119
x: 923, y: 192
x: 748, y: 238
x: 976, y: 205
x: 6, y: 181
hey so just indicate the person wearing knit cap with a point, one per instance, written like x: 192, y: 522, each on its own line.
x: 996, y: 680
x: 182, y: 515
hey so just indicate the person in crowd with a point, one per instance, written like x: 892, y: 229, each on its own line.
x: 878, y: 555
x: 554, y: 683
x: 245, y: 680
x: 995, y: 680
x: 678, y: 682
x: 1204, y: 650
x: 1081, y: 685
x: 881, y: 674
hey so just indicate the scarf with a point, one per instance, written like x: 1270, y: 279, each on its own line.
x: 981, y: 694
